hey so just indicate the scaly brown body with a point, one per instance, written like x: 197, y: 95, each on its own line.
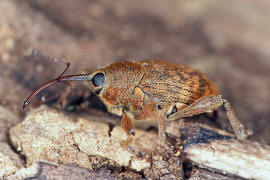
x: 153, y: 90
x: 139, y: 85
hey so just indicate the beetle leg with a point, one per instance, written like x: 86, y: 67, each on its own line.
x: 161, y: 126
x: 127, y: 124
x: 153, y: 112
x: 209, y: 104
x: 62, y: 101
x: 128, y: 127
x: 240, y: 131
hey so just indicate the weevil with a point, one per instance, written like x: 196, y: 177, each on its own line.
x: 152, y: 90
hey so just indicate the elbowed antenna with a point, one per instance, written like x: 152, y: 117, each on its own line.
x: 74, y: 77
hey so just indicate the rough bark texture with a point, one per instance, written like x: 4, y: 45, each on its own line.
x: 54, y: 136
x: 228, y: 40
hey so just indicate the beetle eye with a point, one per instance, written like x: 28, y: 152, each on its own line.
x: 98, y: 79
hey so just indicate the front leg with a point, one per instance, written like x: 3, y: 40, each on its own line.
x: 127, y: 124
x: 209, y: 104
x: 128, y: 127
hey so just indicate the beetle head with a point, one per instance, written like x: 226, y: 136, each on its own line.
x: 114, y: 84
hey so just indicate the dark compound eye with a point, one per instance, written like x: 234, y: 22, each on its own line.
x: 98, y: 79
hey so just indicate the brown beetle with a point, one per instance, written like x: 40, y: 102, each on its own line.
x: 153, y: 90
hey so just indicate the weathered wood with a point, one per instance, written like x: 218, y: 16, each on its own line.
x: 214, y: 150
x: 42, y: 136
x: 246, y: 159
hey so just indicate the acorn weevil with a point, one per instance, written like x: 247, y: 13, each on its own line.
x: 152, y: 90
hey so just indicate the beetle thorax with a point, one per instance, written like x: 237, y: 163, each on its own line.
x: 120, y: 82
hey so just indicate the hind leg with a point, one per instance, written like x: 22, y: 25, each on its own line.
x: 209, y: 104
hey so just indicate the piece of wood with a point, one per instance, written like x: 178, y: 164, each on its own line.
x: 216, y: 151
x: 246, y: 159
x: 212, y: 149
x: 199, y: 173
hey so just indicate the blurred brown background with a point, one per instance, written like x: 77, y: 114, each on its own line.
x: 228, y: 40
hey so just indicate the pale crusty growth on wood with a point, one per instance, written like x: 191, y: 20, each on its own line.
x: 29, y: 171
x: 53, y: 136
x: 7, y: 166
x: 10, y: 162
